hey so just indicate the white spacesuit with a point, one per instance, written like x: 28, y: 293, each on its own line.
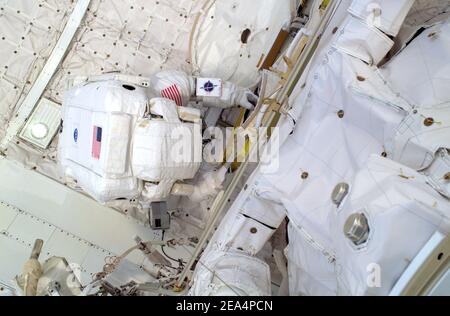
x: 120, y: 133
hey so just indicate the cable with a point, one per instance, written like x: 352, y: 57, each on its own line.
x: 169, y: 257
x: 180, y: 261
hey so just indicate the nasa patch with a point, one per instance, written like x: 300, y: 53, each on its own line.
x: 209, y: 87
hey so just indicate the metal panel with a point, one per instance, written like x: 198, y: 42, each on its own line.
x: 64, y: 244
x: 7, y: 216
x: 69, y: 210
x: 26, y: 228
x: 47, y: 118
x: 13, y: 256
x: 72, y: 226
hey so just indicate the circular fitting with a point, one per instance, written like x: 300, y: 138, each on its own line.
x: 340, y: 191
x: 39, y: 130
x: 428, y: 121
x: 447, y: 176
x: 356, y: 228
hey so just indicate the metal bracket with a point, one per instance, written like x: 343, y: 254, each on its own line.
x: 159, y: 217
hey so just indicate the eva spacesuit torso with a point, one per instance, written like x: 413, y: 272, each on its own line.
x: 123, y: 140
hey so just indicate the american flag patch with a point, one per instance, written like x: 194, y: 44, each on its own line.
x: 172, y: 93
x: 96, y: 142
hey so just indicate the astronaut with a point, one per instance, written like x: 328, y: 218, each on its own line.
x: 120, y: 133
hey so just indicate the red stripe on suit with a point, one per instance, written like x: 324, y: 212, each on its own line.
x: 172, y: 93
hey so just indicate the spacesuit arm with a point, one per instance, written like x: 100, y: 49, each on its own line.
x: 180, y: 87
x: 173, y: 85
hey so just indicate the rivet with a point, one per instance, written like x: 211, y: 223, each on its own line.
x: 384, y: 154
x: 360, y: 78
x: 340, y: 113
x: 305, y: 175
x: 447, y: 176
x: 428, y: 121
x: 253, y: 230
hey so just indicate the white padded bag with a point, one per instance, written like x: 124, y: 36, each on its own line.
x: 98, y: 118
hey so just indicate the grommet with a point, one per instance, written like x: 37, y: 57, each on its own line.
x: 428, y: 121
x: 305, y: 175
x: 253, y: 230
x: 245, y: 36
x: 360, y: 78
x: 384, y: 154
x: 447, y: 176
x: 340, y: 113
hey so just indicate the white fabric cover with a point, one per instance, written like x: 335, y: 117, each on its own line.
x: 231, y: 273
x: 321, y: 260
x: 347, y: 117
x: 421, y: 72
x: 29, y: 31
x: 386, y: 15
x: 362, y: 41
x: 416, y: 144
x: 438, y: 172
x: 403, y: 212
x: 114, y: 109
x: 423, y: 14
x: 217, y: 49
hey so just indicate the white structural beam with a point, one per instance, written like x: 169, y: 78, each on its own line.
x: 56, y: 57
x: 418, y: 261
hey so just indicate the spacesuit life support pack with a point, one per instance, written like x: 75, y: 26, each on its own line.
x: 124, y: 140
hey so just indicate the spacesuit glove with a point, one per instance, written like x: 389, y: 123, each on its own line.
x: 246, y: 99
x: 232, y: 95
